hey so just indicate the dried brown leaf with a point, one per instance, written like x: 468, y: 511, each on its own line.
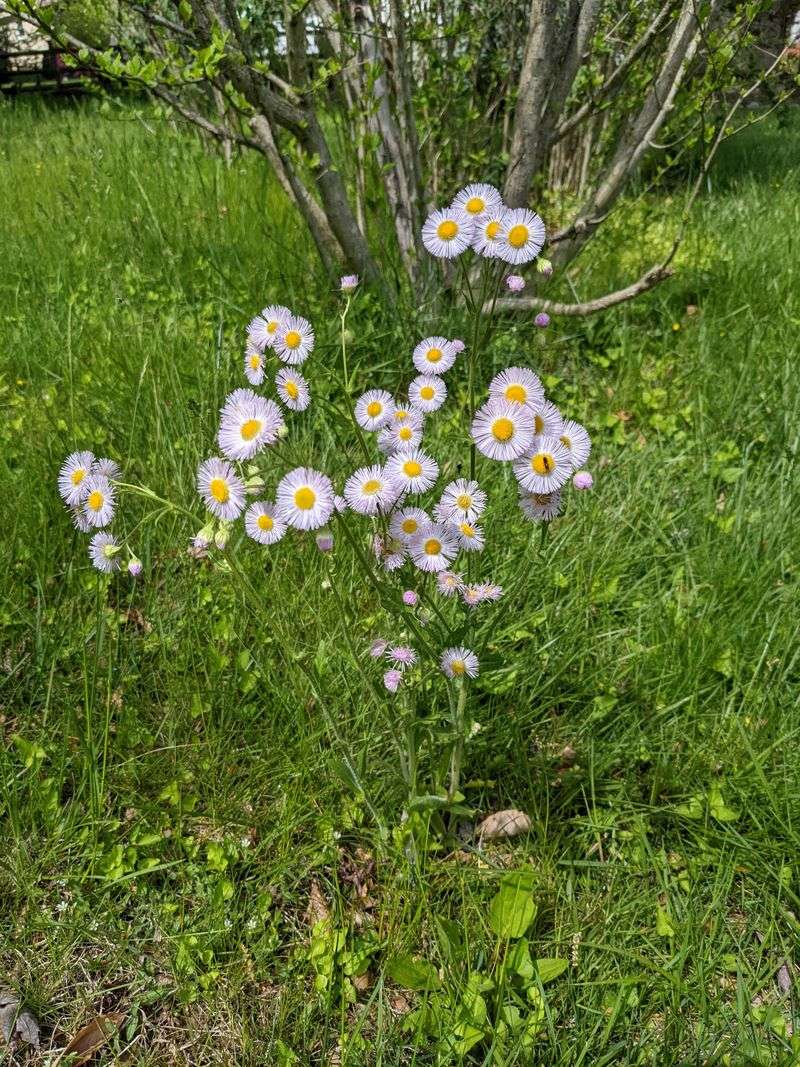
x: 507, y: 823
x: 317, y: 909
x: 90, y: 1038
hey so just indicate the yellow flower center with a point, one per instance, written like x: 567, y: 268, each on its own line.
x: 503, y: 429
x: 434, y: 355
x: 374, y: 408
x: 255, y: 362
x: 410, y: 526
x: 292, y: 339
x: 218, y: 488
x: 78, y: 475
x: 412, y: 468
x: 493, y: 229
x: 372, y: 486
x: 265, y: 522
x: 517, y: 394
x: 305, y: 498
x: 272, y: 326
x: 464, y: 501
x: 427, y: 392
x: 291, y: 389
x: 541, y: 498
x: 95, y: 500
x: 538, y: 423
x: 475, y: 205
x: 467, y: 530
x: 518, y: 235
x: 250, y: 429
x: 566, y: 441
x: 405, y: 433
x: 543, y: 463
x: 433, y: 547
x: 457, y: 666
x: 447, y: 230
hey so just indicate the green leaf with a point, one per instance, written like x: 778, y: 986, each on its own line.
x: 550, y: 967
x: 413, y: 974
x: 717, y: 807
x: 519, y: 960
x: 512, y: 911
x: 664, y: 924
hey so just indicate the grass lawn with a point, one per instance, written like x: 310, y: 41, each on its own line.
x: 189, y: 778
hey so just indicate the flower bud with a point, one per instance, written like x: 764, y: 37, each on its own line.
x: 515, y: 282
x: 349, y: 283
x: 410, y: 598
x: 324, y: 540
x: 221, y: 537
x: 583, y: 480
x: 542, y: 320
x: 544, y: 266
x: 134, y: 566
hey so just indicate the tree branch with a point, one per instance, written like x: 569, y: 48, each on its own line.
x: 647, y: 281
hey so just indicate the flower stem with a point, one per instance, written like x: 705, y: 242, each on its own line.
x: 458, y: 743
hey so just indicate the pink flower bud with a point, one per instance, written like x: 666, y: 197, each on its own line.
x: 583, y: 480
x: 515, y: 283
x: 542, y: 319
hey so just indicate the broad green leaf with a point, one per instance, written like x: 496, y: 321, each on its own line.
x: 550, y: 968
x: 664, y: 924
x: 412, y: 974
x: 717, y: 807
x: 512, y: 911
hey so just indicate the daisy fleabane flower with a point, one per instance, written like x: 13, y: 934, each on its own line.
x: 295, y: 340
x: 434, y: 548
x: 501, y: 430
x: 304, y: 498
x: 401, y: 436
x: 577, y: 442
x: 427, y: 392
x: 248, y: 422
x: 104, y: 552
x: 262, y: 523
x: 292, y: 389
x: 99, y: 501
x: 547, y: 419
x: 470, y: 536
x: 462, y: 500
x: 406, y: 523
x: 72, y: 477
x: 540, y: 507
x: 109, y: 468
x: 370, y: 490
x: 401, y: 656
x: 545, y: 467
x: 413, y: 470
x: 79, y: 520
x: 489, y: 233
x: 478, y: 198
x: 517, y: 385
x: 459, y: 662
x: 263, y: 329
x: 253, y: 364
x: 373, y: 409
x: 523, y: 236
x: 348, y: 283
x: 449, y: 583
x: 221, y: 488
x: 448, y: 233
x: 378, y: 647
x: 392, y: 679
x: 434, y: 355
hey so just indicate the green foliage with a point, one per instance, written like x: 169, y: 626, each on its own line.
x: 170, y: 777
